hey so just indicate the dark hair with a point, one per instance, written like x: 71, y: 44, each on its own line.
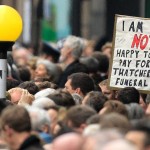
x: 128, y: 95
x: 12, y: 83
x: 17, y: 118
x: 63, y: 130
x: 62, y: 98
x: 79, y: 114
x: 91, y: 63
x: 40, y: 79
x: 47, y: 84
x: 82, y: 81
x: 24, y: 73
x: 30, y: 86
x: 103, y: 61
x: 96, y: 100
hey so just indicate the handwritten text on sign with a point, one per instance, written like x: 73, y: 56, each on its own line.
x: 131, y: 57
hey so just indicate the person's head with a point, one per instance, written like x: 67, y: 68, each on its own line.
x: 101, y: 138
x: 21, y: 56
x: 107, y: 49
x: 71, y: 50
x: 91, y: 63
x: 103, y: 61
x: 119, y: 144
x: 62, y: 98
x: 139, y: 134
x: 15, y: 126
x: 95, y: 100
x: 39, y: 119
x: 116, y: 121
x: 45, y: 85
x: 79, y: 83
x: 89, y: 48
x: 30, y: 86
x: 20, y: 96
x: 76, y: 117
x: 49, y: 52
x: 128, y: 95
x: 110, y: 94
x: 72, y: 141
x: 46, y: 68
x: 114, y: 106
x: 135, y: 111
x: 24, y: 73
x: 12, y: 83
x: 43, y: 102
x: 44, y: 93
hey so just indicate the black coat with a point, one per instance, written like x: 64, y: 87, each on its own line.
x: 74, y: 67
x: 31, y: 143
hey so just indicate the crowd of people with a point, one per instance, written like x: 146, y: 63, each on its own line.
x: 60, y: 100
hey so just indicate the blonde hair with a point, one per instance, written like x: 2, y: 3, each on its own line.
x: 26, y: 97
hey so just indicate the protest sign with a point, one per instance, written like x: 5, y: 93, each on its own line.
x: 130, y: 64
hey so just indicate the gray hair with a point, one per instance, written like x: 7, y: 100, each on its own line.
x: 39, y: 117
x: 44, y: 93
x: 43, y: 102
x: 77, y: 98
x: 135, y: 111
x: 53, y: 70
x: 76, y: 44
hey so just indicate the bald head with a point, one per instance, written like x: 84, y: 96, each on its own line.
x: 70, y: 141
x: 119, y: 144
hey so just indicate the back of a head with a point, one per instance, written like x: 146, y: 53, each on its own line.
x: 91, y: 63
x: 96, y: 100
x: 44, y: 93
x: 76, y: 44
x: 39, y: 118
x: 46, y: 84
x: 17, y: 118
x: 116, y: 107
x: 119, y: 144
x: 115, y: 120
x: 128, y: 95
x: 12, y: 83
x: 79, y: 114
x: 62, y: 98
x: 72, y: 141
x: 24, y: 73
x: 82, y: 81
x: 135, y: 111
x: 103, y: 61
x: 43, y: 102
x: 30, y: 86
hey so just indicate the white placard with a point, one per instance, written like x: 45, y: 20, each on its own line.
x: 3, y: 70
x: 130, y: 64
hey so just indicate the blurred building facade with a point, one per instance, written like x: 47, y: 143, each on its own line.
x: 92, y: 19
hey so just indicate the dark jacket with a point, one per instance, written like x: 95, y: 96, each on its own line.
x: 74, y: 67
x: 31, y: 143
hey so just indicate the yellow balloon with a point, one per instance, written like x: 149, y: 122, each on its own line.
x: 10, y: 24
